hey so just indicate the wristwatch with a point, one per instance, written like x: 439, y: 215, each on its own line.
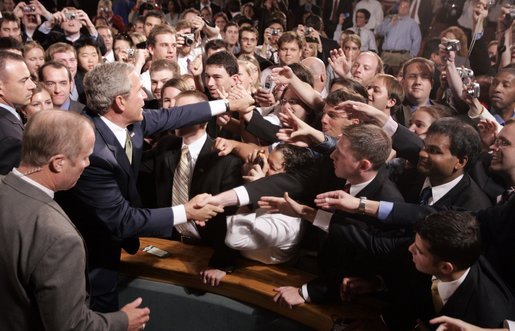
x: 362, y: 205
x: 227, y: 106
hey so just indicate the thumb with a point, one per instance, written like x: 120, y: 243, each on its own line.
x: 135, y: 303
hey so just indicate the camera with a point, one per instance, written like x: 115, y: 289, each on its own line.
x: 465, y: 72
x: 70, y: 16
x: 452, y: 45
x: 189, y: 39
x: 29, y: 9
x: 473, y: 90
x: 308, y: 31
x: 269, y: 83
x: 274, y: 32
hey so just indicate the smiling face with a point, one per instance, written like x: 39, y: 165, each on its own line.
x: 133, y: 104
x: 503, y: 152
x: 157, y: 80
x: 436, y: 160
x: 248, y: 42
x: 216, y: 77
x: 333, y: 121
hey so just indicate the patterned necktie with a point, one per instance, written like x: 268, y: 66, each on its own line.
x: 128, y: 146
x: 435, y: 295
x: 180, y: 188
x: 425, y: 195
x: 181, y: 179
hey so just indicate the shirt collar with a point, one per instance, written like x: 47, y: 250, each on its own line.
x: 447, y: 289
x: 355, y: 189
x: 66, y: 104
x: 46, y: 190
x: 119, y: 132
x: 12, y: 111
x: 195, y: 148
x: 439, y: 191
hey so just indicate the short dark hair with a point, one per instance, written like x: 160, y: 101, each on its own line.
x: 8, y: 56
x: 368, y: 142
x: 314, y: 21
x: 54, y: 65
x: 226, y: 60
x: 155, y: 13
x: 9, y: 17
x: 335, y: 97
x: 464, y: 139
x: 364, y: 12
x: 295, y: 157
x: 8, y: 43
x: 451, y: 236
x: 215, y: 44
x: 352, y: 85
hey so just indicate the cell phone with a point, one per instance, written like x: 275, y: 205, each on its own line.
x: 269, y: 84
x: 156, y: 251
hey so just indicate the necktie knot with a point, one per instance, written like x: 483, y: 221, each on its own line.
x: 425, y: 195
x: 435, y: 295
x: 346, y: 188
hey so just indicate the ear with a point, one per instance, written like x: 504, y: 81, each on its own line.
x: 151, y: 49
x: 56, y: 163
x: 365, y: 165
x: 235, y: 79
x: 461, y: 164
x: 390, y: 103
x: 119, y: 104
x: 446, y: 268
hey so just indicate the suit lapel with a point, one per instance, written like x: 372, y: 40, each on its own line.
x: 11, y: 118
x: 370, y: 191
x: 113, y: 145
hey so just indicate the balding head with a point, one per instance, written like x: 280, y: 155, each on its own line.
x: 317, y: 68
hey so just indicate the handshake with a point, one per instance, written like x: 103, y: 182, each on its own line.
x: 202, y: 207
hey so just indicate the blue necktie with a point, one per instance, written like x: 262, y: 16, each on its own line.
x: 425, y: 195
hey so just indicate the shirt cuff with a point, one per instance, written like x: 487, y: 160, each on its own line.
x: 217, y: 107
x: 323, y: 219
x: 510, y: 325
x: 390, y: 127
x: 243, y: 195
x: 44, y: 29
x: 179, y: 215
x: 305, y: 294
x: 385, y: 209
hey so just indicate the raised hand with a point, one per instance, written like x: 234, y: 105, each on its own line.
x: 340, y: 63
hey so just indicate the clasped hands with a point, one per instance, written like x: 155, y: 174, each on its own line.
x: 201, y: 208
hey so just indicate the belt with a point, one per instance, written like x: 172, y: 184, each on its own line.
x: 395, y: 51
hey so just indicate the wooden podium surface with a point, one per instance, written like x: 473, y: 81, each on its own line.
x: 251, y: 282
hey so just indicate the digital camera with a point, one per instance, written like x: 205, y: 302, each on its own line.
x: 451, y: 45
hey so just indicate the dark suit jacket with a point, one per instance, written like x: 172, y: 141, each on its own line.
x: 357, y: 247
x: 44, y: 265
x: 212, y: 174
x: 262, y: 128
x: 56, y: 35
x: 345, y: 6
x: 11, y: 131
x: 214, y: 7
x: 104, y: 204
x: 482, y: 299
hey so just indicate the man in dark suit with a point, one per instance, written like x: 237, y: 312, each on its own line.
x: 59, y: 82
x: 448, y: 246
x: 359, y: 158
x: 315, y: 22
x: 209, y: 173
x: 104, y: 204
x: 44, y: 265
x: 15, y: 90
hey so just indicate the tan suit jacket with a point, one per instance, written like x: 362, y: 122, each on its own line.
x: 43, y: 265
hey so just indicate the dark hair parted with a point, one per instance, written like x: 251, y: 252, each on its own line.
x: 451, y: 236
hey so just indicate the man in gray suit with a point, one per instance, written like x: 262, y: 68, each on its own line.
x: 43, y: 268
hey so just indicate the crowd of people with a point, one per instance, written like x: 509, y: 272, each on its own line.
x: 377, y: 134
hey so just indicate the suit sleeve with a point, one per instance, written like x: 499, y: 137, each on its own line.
x: 407, y: 144
x: 262, y: 129
x: 10, y: 153
x: 158, y: 120
x: 98, y: 191
x: 61, y: 292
